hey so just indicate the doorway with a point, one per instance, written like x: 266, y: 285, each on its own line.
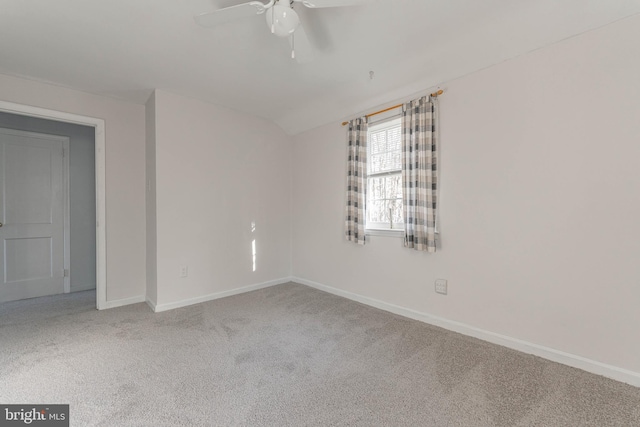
x: 98, y: 126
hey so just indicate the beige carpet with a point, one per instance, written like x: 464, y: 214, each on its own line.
x: 284, y: 356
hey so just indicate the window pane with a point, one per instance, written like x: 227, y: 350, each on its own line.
x: 396, y: 212
x: 378, y: 142
x: 376, y: 188
x: 377, y: 211
x: 394, y: 139
x: 393, y: 187
x: 375, y: 163
x: 396, y: 160
x: 385, y: 162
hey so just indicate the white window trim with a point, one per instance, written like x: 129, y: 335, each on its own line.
x: 386, y: 232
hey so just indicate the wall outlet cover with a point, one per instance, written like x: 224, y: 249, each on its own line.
x: 441, y: 286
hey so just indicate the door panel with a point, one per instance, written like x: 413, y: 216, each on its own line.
x: 27, y: 259
x: 31, y: 210
x: 28, y: 184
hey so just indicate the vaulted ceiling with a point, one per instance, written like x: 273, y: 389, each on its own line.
x: 126, y: 48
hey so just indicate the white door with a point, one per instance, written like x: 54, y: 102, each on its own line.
x: 31, y: 213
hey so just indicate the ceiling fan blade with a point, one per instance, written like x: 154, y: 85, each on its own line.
x: 330, y: 3
x: 301, y: 45
x: 228, y: 14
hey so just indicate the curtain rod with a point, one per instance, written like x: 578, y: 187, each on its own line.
x: 434, y: 94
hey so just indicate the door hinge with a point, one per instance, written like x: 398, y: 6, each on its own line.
x: 65, y: 272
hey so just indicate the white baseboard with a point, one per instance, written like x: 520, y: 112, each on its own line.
x: 86, y: 287
x: 121, y: 302
x: 190, y: 301
x: 598, y: 368
x: 151, y: 304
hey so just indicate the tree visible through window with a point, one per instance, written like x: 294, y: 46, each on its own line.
x: 384, y: 176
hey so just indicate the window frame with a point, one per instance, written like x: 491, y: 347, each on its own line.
x: 379, y: 229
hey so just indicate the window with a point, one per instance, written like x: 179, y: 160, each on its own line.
x: 384, y: 176
x: 375, y: 204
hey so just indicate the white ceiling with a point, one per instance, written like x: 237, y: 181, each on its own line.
x: 126, y: 48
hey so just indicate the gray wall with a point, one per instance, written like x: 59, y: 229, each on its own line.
x: 152, y: 244
x: 82, y: 191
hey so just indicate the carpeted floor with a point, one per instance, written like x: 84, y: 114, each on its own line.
x: 287, y: 355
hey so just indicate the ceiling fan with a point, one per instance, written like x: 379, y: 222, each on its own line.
x: 282, y: 19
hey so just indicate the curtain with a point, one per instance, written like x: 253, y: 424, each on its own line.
x: 356, y: 180
x: 419, y: 174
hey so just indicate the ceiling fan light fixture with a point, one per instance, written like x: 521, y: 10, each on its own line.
x: 283, y: 20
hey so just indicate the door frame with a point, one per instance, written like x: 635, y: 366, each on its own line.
x: 67, y: 215
x: 101, y: 214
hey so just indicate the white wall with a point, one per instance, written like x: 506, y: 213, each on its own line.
x: 82, y: 192
x: 217, y: 171
x: 124, y: 130
x: 539, y: 209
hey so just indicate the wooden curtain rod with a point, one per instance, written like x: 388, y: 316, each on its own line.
x: 434, y: 94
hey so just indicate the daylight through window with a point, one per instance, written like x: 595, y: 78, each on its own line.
x: 384, y: 176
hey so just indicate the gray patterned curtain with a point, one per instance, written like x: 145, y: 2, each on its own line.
x: 356, y: 180
x: 419, y: 174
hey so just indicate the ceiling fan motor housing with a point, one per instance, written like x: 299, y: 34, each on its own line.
x: 282, y: 19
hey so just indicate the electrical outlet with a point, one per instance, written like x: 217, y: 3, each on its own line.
x: 184, y: 271
x: 441, y: 286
